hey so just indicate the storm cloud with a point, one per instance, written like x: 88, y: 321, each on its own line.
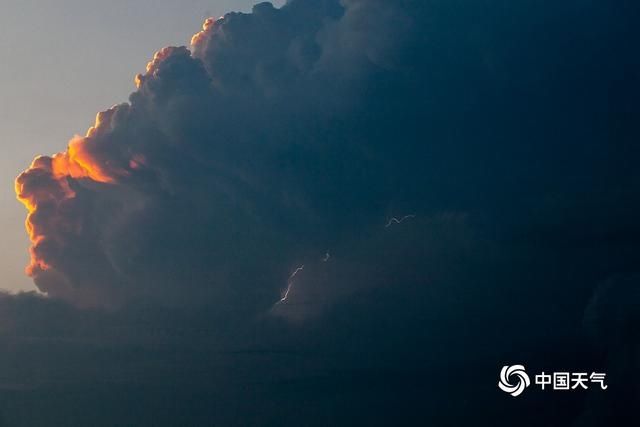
x: 211, y: 171
x: 503, y: 134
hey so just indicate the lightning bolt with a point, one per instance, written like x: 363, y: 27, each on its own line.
x: 327, y: 256
x: 290, y: 283
x: 395, y: 220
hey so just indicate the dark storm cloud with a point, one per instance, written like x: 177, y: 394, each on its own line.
x: 208, y: 170
x: 505, y: 131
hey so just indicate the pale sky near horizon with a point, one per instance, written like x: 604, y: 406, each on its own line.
x: 62, y: 62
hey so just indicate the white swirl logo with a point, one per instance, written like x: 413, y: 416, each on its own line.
x: 518, y: 373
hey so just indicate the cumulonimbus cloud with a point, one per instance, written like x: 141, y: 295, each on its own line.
x: 285, y: 131
x: 165, y: 191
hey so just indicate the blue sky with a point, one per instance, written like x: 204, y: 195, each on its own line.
x: 68, y: 60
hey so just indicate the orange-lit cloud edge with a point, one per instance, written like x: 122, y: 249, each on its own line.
x: 81, y: 164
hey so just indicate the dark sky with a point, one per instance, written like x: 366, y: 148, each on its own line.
x: 221, y: 249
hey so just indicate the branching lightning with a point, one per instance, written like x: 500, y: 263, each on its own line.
x: 290, y: 283
x: 394, y: 220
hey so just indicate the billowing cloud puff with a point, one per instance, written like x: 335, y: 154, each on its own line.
x: 284, y: 132
x: 179, y: 191
x: 222, y: 170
